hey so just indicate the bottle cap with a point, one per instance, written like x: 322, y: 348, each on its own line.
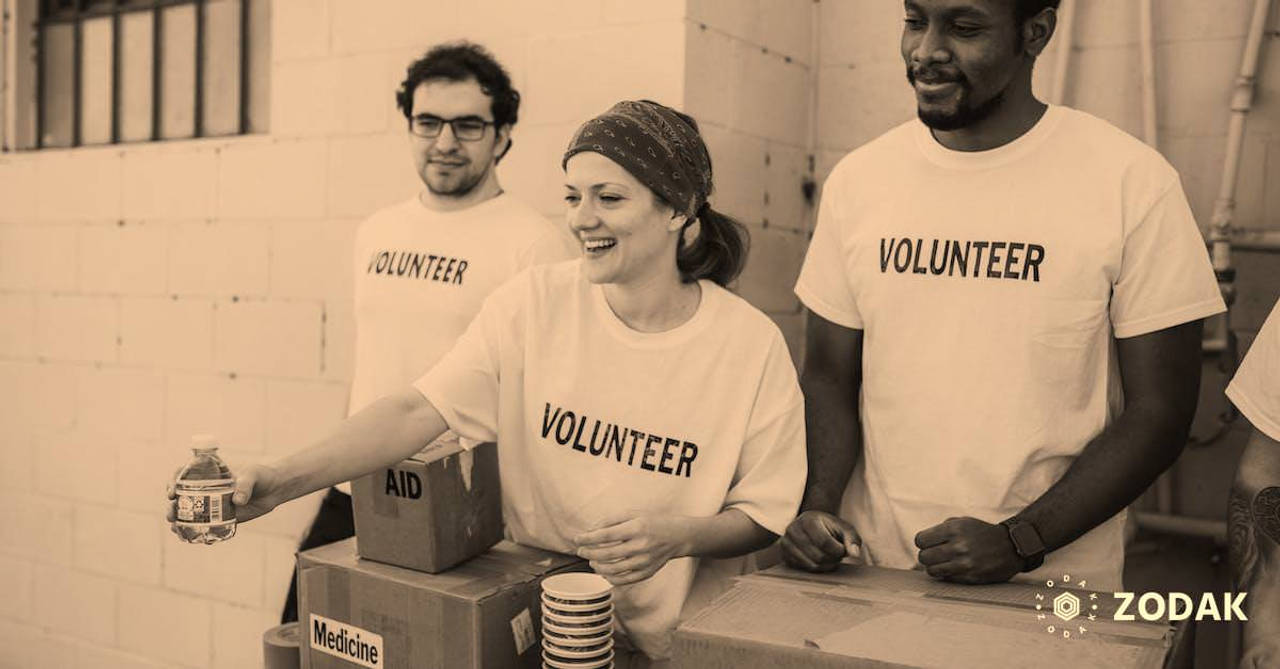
x: 204, y: 441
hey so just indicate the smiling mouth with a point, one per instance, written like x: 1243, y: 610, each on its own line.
x: 597, y: 247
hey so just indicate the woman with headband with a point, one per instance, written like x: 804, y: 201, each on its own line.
x: 647, y: 419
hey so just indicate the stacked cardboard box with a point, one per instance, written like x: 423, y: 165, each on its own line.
x: 423, y: 584
x: 433, y: 511
x: 484, y: 613
x: 874, y: 617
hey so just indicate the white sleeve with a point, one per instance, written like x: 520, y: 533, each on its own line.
x: 1165, y: 277
x: 1255, y: 389
x: 769, y: 479
x: 463, y: 385
x: 823, y: 285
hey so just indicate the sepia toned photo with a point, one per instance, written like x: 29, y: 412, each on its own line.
x: 607, y: 334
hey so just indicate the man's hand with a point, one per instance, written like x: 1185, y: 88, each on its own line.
x: 968, y: 550
x: 632, y: 547
x: 818, y: 541
x: 255, y: 493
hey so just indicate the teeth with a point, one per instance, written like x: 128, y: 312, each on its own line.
x: 597, y: 244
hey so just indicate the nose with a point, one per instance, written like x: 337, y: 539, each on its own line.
x: 582, y: 217
x: 446, y: 141
x: 930, y: 48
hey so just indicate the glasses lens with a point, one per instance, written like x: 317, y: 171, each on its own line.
x: 427, y: 127
x: 468, y: 129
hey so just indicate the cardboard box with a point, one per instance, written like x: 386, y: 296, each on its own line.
x: 873, y: 617
x: 433, y: 511
x: 484, y: 613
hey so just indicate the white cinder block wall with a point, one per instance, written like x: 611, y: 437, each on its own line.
x: 149, y: 292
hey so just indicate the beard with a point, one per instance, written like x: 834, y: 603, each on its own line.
x: 456, y: 182
x: 965, y: 113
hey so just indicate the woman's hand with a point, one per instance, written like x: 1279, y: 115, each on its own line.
x: 632, y: 546
x: 257, y: 491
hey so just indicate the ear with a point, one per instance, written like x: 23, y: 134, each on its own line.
x: 501, y: 141
x: 677, y: 221
x: 1037, y: 31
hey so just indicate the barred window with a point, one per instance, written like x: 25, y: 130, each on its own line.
x: 116, y: 71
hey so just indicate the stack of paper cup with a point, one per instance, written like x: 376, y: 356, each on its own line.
x: 577, y: 622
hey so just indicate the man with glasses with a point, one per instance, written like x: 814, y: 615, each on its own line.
x: 424, y: 266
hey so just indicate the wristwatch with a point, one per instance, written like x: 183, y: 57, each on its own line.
x: 1026, y: 542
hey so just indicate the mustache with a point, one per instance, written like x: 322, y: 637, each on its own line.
x: 930, y: 76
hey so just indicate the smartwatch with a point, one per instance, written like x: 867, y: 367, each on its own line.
x: 1026, y: 542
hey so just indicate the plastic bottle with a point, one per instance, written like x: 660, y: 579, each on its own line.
x: 205, y: 513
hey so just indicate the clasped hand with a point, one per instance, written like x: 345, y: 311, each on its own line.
x: 632, y: 546
x: 968, y: 550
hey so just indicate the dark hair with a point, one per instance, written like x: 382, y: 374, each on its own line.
x: 1025, y: 9
x: 460, y: 61
x: 719, y: 252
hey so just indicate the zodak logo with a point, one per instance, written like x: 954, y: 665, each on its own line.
x: 1069, y: 611
x: 1153, y: 606
x: 1066, y: 607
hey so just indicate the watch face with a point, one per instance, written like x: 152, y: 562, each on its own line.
x: 1026, y: 539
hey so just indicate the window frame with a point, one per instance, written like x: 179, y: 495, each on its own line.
x: 83, y: 10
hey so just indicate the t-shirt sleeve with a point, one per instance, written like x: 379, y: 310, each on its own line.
x: 823, y: 285
x: 463, y: 385
x: 1165, y: 278
x: 1255, y: 389
x: 769, y: 479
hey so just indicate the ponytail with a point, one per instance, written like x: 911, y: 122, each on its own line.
x: 718, y: 253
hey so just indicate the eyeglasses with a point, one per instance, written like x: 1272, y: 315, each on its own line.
x: 465, y: 128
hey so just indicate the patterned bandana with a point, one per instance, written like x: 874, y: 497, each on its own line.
x: 656, y: 146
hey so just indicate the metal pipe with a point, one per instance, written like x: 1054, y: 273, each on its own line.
x: 1182, y: 526
x: 1149, y: 126
x: 1261, y: 241
x: 1066, y: 23
x: 1241, y: 103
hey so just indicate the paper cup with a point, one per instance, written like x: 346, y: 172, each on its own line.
x: 559, y: 617
x: 569, y: 605
x: 577, y: 586
x: 578, y: 628
x: 576, y: 643
x: 553, y: 661
x: 558, y: 601
x: 563, y: 639
x: 599, y: 647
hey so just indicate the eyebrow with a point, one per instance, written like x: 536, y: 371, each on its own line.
x: 953, y: 13
x: 598, y: 186
x: 468, y: 117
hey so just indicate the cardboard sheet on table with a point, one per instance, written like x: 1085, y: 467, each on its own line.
x: 896, y: 638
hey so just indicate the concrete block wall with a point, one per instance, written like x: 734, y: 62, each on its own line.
x: 750, y: 85
x: 149, y: 292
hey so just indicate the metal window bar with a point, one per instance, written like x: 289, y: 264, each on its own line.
x: 75, y: 13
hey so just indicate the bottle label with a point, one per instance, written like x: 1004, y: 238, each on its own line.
x: 211, y: 507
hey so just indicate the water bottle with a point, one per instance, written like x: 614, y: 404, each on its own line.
x: 205, y: 513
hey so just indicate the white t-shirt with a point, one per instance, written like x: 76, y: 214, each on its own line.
x: 592, y: 418
x: 988, y: 286
x: 1255, y: 389
x: 421, y: 276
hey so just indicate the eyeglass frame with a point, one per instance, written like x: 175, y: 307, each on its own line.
x: 452, y: 128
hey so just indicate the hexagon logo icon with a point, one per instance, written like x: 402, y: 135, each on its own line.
x: 1066, y: 606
